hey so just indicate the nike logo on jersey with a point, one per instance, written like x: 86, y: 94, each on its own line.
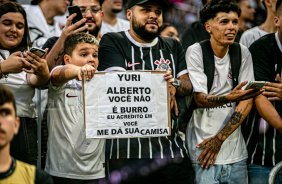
x: 69, y: 96
x: 133, y: 64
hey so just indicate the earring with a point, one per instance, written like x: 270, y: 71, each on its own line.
x: 209, y: 31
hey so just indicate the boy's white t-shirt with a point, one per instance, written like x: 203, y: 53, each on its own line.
x: 207, y: 122
x: 70, y: 154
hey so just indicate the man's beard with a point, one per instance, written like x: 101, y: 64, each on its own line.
x: 116, y: 10
x: 94, y: 31
x: 143, y: 32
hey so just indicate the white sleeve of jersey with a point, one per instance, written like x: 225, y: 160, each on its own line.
x: 246, y: 72
x: 195, y: 66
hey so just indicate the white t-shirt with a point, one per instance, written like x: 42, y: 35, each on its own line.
x: 121, y: 25
x: 70, y: 154
x: 207, y: 122
x: 39, y: 29
x: 23, y: 92
x: 251, y: 35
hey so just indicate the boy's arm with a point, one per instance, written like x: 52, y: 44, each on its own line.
x: 62, y: 75
x: 213, y: 144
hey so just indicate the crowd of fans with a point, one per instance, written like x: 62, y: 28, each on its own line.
x: 221, y: 131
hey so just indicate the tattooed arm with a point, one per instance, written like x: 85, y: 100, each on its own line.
x: 185, y: 87
x: 55, y: 56
x: 209, y: 101
x: 213, y: 144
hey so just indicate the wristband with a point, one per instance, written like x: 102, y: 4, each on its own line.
x: 3, y: 75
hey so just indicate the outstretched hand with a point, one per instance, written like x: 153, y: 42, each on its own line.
x: 212, y: 147
x: 273, y: 91
x: 86, y: 70
x: 238, y: 94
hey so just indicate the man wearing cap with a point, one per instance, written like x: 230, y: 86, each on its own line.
x: 155, y: 159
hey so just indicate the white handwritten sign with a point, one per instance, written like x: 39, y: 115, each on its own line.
x: 126, y: 104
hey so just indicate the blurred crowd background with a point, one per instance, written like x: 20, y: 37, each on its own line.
x: 184, y: 12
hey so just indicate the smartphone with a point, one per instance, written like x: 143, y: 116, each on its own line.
x: 37, y: 51
x: 78, y: 17
x: 254, y: 84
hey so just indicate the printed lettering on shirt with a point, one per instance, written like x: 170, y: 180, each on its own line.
x: 229, y: 73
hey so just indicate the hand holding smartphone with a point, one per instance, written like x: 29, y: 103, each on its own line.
x: 254, y: 84
x: 78, y: 17
x: 38, y: 52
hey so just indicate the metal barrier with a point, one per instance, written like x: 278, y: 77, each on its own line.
x: 273, y: 173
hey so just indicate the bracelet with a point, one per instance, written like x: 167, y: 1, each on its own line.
x: 3, y: 75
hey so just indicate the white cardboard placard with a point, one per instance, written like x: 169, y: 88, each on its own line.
x: 126, y: 105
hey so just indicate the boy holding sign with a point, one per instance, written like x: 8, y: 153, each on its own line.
x: 72, y: 158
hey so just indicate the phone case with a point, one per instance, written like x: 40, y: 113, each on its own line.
x: 38, y: 52
x: 254, y: 84
x: 78, y: 17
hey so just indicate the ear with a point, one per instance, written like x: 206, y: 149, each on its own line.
x: 208, y: 27
x: 17, y: 125
x: 277, y: 22
x: 102, y: 14
x: 267, y: 3
x: 128, y: 14
x: 67, y: 59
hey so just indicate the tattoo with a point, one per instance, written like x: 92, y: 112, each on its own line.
x: 216, y: 99
x: 205, y: 97
x: 59, y: 56
x: 221, y: 17
x: 185, y: 87
x: 214, y: 144
x: 235, y: 119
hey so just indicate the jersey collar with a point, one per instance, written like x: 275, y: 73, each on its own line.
x: 278, y: 41
x: 153, y: 43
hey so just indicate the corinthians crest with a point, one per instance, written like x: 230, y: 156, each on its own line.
x: 162, y: 64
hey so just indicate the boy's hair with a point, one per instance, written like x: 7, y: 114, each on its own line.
x: 278, y: 7
x: 213, y: 7
x: 74, y: 39
x: 7, y: 96
x: 165, y: 25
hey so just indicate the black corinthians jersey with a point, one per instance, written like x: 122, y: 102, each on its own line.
x: 119, y: 51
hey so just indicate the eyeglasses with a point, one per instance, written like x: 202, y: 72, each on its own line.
x: 93, y: 10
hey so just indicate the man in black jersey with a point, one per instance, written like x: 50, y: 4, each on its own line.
x: 11, y: 170
x: 263, y: 135
x: 157, y: 159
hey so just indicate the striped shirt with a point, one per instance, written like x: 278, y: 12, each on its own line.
x: 264, y: 143
x: 119, y: 51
